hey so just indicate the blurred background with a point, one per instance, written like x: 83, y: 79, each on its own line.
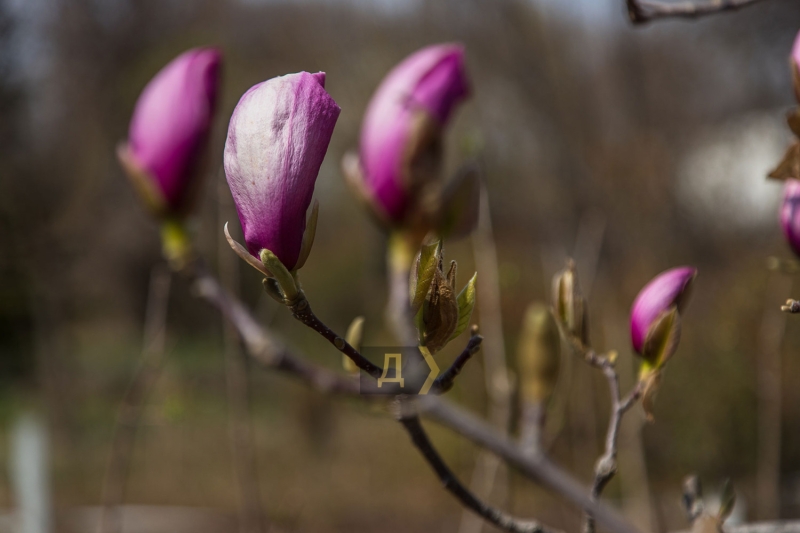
x: 635, y: 149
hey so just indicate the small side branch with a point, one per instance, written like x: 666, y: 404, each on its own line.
x: 267, y: 351
x: 301, y: 310
x: 642, y: 11
x: 606, y: 465
x: 445, y: 381
x: 419, y: 437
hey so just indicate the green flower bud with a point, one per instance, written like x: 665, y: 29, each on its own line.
x: 569, y: 305
x: 538, y: 354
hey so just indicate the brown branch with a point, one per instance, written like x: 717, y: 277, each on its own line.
x: 269, y: 352
x: 133, y: 403
x: 301, y: 310
x: 536, y: 467
x: 445, y: 381
x: 606, y: 465
x: 642, y: 11
x: 413, y: 426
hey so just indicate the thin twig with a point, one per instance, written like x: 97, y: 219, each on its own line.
x: 606, y: 465
x: 445, y: 381
x: 537, y: 467
x: 413, y: 426
x: 133, y: 403
x: 641, y: 11
x: 301, y: 310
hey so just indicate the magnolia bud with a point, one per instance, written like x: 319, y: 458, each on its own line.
x: 277, y: 139
x: 169, y: 130
x: 538, y: 354
x: 569, y: 305
x: 440, y: 310
x: 655, y: 315
x: 441, y: 316
x: 401, y: 136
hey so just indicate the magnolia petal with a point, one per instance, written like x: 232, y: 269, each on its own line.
x: 670, y: 288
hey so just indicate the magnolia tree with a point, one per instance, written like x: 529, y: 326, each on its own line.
x: 277, y: 139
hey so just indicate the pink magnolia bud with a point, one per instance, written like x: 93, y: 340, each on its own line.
x: 169, y: 129
x: 277, y: 139
x: 667, y: 290
x: 401, y: 135
x: 790, y: 214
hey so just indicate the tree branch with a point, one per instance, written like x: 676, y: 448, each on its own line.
x: 642, y: 11
x: 445, y: 381
x: 412, y: 424
x: 269, y: 352
x: 301, y: 310
x: 536, y: 467
x: 606, y: 465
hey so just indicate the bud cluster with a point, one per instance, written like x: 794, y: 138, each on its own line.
x: 654, y: 321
